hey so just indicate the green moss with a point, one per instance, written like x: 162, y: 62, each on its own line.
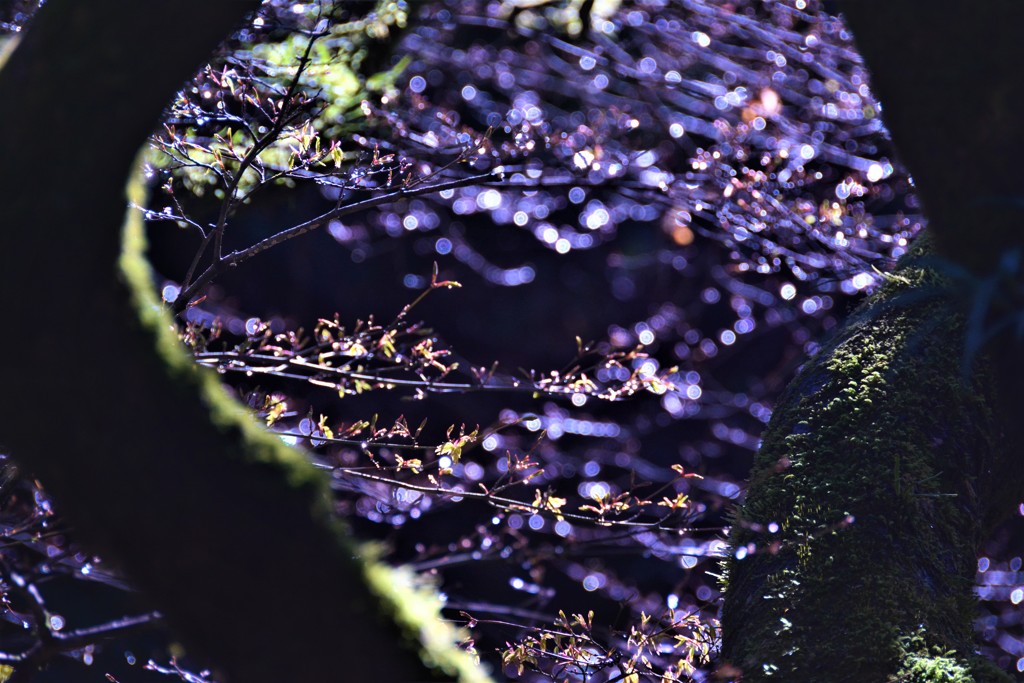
x: 417, y: 608
x: 872, y: 468
x: 924, y: 664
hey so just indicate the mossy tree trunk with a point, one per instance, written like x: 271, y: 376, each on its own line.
x: 853, y: 557
x: 228, y: 532
x: 947, y: 73
x: 890, y: 455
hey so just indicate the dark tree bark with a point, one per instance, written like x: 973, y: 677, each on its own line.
x: 948, y: 77
x: 889, y: 457
x: 223, y: 528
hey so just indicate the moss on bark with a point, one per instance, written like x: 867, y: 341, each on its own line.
x: 853, y: 558
x: 225, y: 529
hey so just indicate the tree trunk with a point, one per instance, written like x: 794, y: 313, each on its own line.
x: 947, y: 75
x: 889, y: 457
x: 853, y: 557
x: 226, y: 530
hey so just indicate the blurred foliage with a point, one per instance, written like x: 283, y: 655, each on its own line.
x: 14, y: 14
x: 702, y: 188
x: 261, y: 114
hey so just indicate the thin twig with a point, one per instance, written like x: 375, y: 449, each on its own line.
x: 236, y: 257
